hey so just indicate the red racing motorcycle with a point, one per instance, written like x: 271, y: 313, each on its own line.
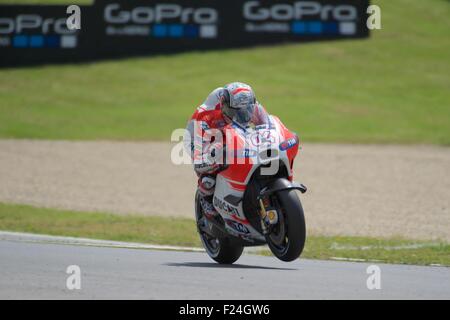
x: 255, y: 195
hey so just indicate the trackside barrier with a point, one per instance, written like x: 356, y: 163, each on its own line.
x: 35, y: 34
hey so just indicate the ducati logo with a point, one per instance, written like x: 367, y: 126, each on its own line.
x: 225, y: 206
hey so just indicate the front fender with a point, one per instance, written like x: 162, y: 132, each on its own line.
x: 279, y: 185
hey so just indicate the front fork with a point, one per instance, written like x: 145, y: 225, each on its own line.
x: 268, y: 214
x: 268, y: 217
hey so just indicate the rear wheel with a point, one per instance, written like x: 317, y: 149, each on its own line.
x: 221, y: 249
x: 287, y: 239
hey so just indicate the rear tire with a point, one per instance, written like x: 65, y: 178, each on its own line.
x: 228, y: 252
x: 223, y: 249
x: 294, y: 227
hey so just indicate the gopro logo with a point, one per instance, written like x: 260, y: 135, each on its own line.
x: 159, y: 13
x: 33, y: 22
x: 299, y: 10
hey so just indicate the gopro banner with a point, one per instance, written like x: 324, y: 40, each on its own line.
x: 34, y: 34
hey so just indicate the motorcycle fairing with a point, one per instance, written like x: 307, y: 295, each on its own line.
x: 231, y: 183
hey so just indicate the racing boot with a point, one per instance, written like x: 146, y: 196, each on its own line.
x: 208, y: 209
x: 206, y: 187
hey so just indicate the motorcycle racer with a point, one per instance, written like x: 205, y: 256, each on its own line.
x: 234, y: 103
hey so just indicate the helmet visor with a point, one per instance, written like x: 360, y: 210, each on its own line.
x: 242, y: 115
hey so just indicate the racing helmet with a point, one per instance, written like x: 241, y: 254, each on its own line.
x: 238, y: 102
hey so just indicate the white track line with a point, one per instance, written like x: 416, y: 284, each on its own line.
x: 336, y: 246
x: 43, y: 238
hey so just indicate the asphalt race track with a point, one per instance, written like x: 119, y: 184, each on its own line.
x: 38, y: 271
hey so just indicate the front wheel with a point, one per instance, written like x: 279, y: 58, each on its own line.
x: 287, y: 239
x: 221, y: 249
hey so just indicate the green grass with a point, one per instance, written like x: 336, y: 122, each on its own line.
x: 391, y: 88
x: 155, y: 230
x: 175, y: 231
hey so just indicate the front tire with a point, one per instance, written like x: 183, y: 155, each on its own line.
x: 221, y: 249
x: 287, y: 245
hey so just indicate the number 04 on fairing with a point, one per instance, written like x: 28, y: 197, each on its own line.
x: 255, y: 195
